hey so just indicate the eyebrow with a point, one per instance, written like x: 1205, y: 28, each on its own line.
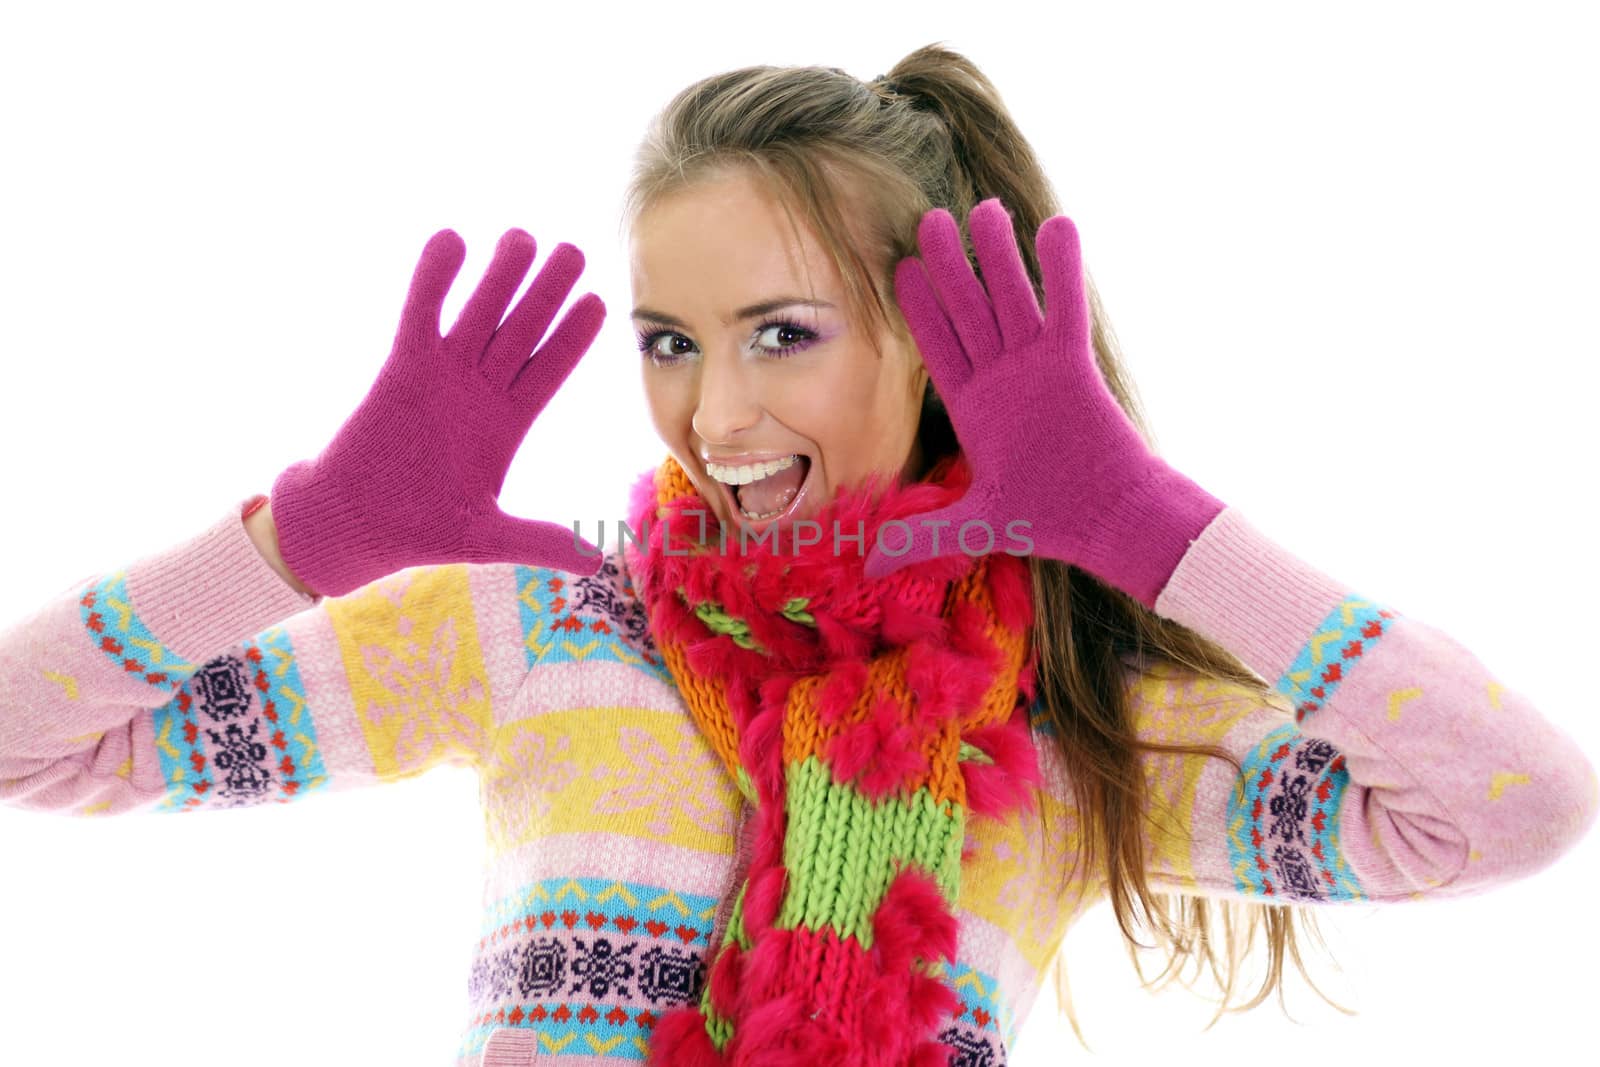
x: 753, y: 311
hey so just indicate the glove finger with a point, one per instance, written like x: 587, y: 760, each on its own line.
x: 532, y: 316
x: 513, y: 255
x: 535, y: 543
x: 994, y: 238
x: 1061, y: 262
x: 542, y: 374
x: 936, y: 339
x: 959, y: 289
x: 436, y: 270
x: 933, y: 534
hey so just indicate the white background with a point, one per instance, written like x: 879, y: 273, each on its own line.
x: 1349, y: 250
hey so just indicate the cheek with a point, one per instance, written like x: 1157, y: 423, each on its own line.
x: 857, y: 439
x: 872, y: 408
x: 667, y: 413
x: 893, y: 402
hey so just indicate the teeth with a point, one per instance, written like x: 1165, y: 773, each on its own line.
x: 762, y: 518
x: 753, y: 472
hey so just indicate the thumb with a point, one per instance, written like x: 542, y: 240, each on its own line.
x: 932, y: 534
x: 535, y: 543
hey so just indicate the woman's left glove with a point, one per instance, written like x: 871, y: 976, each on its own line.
x: 1054, y: 457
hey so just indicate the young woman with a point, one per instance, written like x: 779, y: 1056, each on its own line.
x: 917, y: 649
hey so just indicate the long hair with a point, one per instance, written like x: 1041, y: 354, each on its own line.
x: 859, y: 163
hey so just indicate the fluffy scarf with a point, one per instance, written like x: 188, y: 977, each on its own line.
x: 866, y: 720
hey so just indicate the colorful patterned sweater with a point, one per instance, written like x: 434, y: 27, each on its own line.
x: 194, y: 678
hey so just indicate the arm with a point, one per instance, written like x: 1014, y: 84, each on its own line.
x: 1413, y: 773
x: 197, y: 677
x: 1405, y: 769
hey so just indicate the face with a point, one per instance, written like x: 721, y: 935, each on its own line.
x: 753, y: 368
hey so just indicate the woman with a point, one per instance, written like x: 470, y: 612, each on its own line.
x: 741, y: 800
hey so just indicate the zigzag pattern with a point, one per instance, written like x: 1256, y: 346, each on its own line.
x: 616, y: 1031
x: 572, y: 619
x: 1319, y: 667
x: 1283, y: 826
x: 981, y: 1006
x: 594, y: 903
x: 635, y: 951
x: 107, y: 612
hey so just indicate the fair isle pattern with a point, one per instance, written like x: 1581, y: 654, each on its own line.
x: 650, y: 775
x: 1283, y: 831
x: 107, y: 612
x: 969, y: 1048
x: 1283, y: 836
x: 619, y: 903
x: 583, y: 770
x: 239, y: 732
x: 413, y: 661
x: 1319, y: 666
x: 588, y: 964
x: 569, y: 618
x: 1174, y: 706
x: 981, y: 1010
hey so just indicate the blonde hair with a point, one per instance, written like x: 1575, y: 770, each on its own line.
x: 859, y: 164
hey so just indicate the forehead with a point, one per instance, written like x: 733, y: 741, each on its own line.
x: 721, y: 243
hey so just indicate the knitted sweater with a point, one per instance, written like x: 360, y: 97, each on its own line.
x: 1395, y: 768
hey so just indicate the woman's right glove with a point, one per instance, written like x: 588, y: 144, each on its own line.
x: 413, y: 476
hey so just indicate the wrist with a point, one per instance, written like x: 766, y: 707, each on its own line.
x: 1149, y: 529
x: 263, y: 531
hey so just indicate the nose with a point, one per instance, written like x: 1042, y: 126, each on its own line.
x: 728, y: 402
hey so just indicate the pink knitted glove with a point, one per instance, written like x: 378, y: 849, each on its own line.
x: 412, y: 478
x: 1047, y: 442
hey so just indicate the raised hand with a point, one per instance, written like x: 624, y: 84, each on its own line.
x: 413, y: 477
x: 1052, y: 453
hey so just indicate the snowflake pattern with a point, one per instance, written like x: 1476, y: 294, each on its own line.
x: 528, y: 772
x: 573, y: 956
x: 1175, y: 706
x: 427, y: 716
x: 1031, y: 890
x: 602, y: 969
x: 687, y: 779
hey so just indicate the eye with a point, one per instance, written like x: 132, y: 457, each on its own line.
x: 650, y: 346
x: 786, y: 337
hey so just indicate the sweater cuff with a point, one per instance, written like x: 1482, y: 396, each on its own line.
x: 208, y: 593
x: 1241, y: 589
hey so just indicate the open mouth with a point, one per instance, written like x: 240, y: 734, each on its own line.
x: 776, y: 496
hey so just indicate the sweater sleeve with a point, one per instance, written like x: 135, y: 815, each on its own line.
x: 1395, y: 766
x: 196, y: 678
